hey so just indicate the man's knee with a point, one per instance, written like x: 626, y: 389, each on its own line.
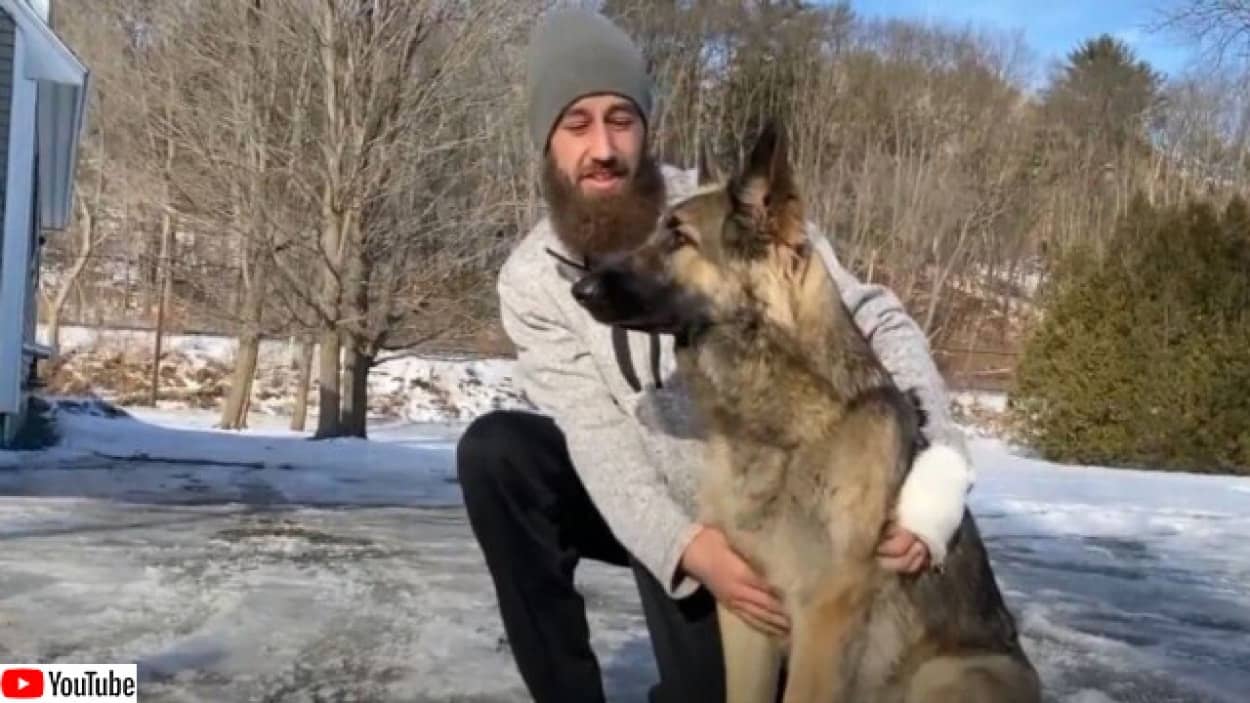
x: 491, y: 446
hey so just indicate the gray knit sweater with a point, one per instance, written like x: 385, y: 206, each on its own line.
x: 626, y: 418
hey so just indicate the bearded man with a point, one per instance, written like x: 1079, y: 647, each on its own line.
x: 596, y: 470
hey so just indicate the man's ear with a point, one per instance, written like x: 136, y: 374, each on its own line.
x: 709, y: 172
x: 765, y: 190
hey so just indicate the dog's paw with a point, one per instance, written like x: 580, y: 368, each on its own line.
x: 932, y: 499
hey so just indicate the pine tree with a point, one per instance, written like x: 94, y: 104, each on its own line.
x: 1144, y: 354
x: 1104, y: 93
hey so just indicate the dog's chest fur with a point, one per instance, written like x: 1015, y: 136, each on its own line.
x: 770, y: 506
x: 770, y: 498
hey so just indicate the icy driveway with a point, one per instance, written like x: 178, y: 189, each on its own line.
x: 229, y: 604
x: 288, y: 571
x: 297, y: 571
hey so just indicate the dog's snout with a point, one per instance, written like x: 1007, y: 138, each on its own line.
x: 587, y: 288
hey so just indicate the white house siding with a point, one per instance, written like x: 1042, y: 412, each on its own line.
x: 7, y: 31
x: 6, y: 94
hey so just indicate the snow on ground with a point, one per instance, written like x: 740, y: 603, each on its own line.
x: 179, y: 464
x: 79, y: 337
x: 983, y: 413
x: 446, y: 389
x: 115, y: 364
x: 345, y: 570
x: 1131, y: 584
x: 986, y: 401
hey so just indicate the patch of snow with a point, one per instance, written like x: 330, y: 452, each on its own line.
x: 114, y: 364
x: 77, y: 338
x: 980, y: 413
x: 183, y: 456
x: 446, y: 390
x: 995, y: 401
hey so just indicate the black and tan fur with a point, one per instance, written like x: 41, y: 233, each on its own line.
x: 808, y: 443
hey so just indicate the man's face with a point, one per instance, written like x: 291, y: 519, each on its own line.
x: 597, y: 144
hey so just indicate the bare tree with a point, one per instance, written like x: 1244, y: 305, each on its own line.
x: 240, y: 126
x: 1220, y: 27
x: 89, y: 237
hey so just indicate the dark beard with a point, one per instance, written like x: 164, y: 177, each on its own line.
x: 595, y: 226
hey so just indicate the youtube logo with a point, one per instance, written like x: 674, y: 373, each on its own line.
x: 69, y: 683
x: 21, y: 683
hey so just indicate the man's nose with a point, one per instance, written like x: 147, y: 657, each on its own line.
x: 601, y: 148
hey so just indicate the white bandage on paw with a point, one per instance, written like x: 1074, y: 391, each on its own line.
x: 932, y: 499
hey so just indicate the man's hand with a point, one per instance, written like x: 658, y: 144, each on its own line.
x: 712, y: 562
x: 901, y: 551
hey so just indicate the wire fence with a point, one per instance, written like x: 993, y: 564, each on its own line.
x: 977, y: 369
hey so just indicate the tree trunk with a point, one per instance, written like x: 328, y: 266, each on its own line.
x: 356, y: 332
x: 247, y: 397
x: 86, y: 226
x: 328, y: 385
x: 162, y: 302
x: 234, y: 412
x: 233, y: 415
x: 300, y: 416
x: 939, y: 282
x: 253, y: 280
x: 163, y: 262
x: 80, y: 302
x: 54, y: 328
x: 355, y: 393
x: 333, y: 218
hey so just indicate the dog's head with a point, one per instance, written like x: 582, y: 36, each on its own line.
x: 729, y: 243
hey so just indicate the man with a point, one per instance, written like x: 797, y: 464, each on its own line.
x: 599, y: 471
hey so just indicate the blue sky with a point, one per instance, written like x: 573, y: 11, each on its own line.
x: 1051, y: 27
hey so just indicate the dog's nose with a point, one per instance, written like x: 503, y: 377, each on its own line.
x: 587, y: 288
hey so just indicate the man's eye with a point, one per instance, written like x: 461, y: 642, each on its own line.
x: 682, y: 239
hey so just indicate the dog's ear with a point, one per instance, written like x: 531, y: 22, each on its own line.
x: 709, y: 173
x: 765, y: 190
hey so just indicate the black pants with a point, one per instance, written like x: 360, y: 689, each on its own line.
x: 534, y: 522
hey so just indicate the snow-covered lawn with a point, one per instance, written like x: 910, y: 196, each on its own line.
x: 291, y: 570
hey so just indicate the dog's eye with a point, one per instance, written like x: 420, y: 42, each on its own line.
x: 682, y: 239
x: 679, y: 235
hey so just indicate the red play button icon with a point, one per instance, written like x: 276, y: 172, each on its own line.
x: 21, y: 683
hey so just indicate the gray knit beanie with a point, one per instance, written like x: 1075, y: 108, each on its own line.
x: 574, y: 53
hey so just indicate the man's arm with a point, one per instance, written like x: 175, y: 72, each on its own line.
x: 932, y: 500
x: 558, y: 375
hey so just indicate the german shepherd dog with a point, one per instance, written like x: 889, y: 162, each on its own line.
x: 808, y: 442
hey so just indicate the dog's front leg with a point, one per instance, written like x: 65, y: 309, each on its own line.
x: 859, y: 476
x: 752, y: 660
x: 823, y: 637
